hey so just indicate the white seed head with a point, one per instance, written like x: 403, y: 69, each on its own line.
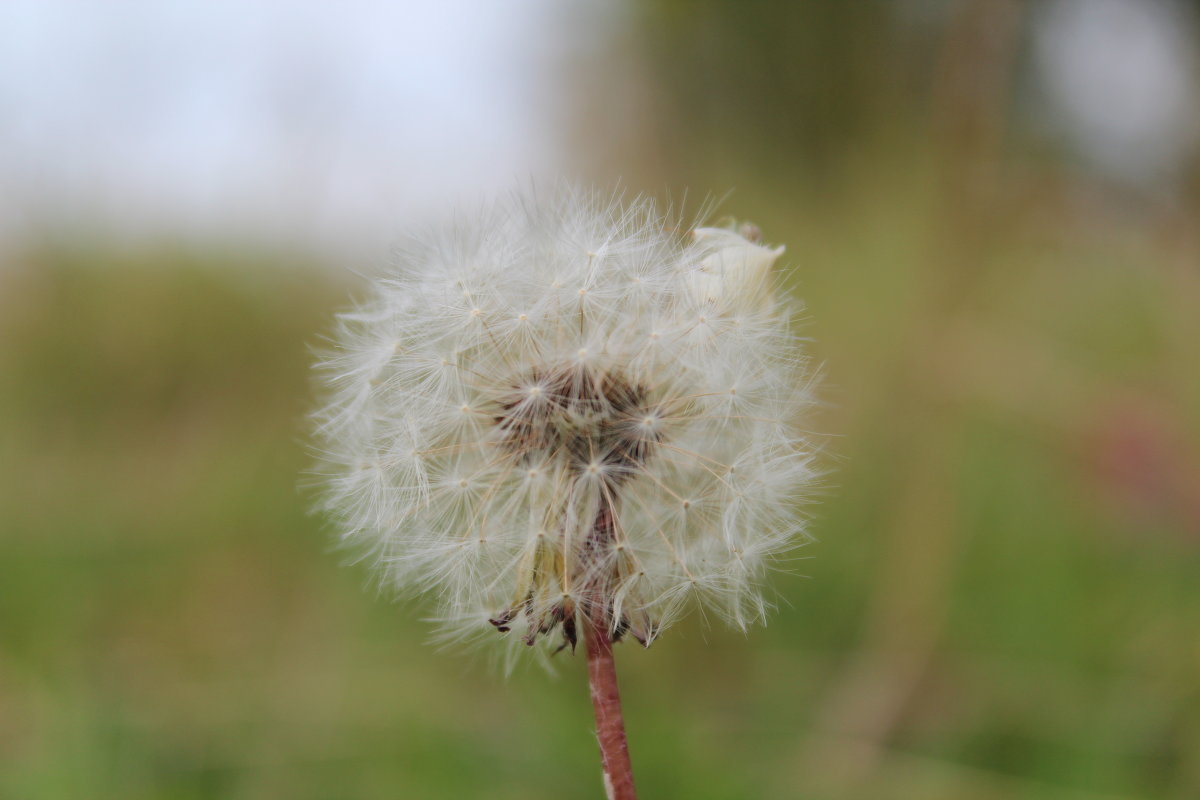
x: 562, y: 408
x: 735, y: 270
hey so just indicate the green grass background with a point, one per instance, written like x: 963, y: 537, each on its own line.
x: 1003, y: 601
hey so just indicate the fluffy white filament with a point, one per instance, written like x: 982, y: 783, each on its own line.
x: 566, y: 403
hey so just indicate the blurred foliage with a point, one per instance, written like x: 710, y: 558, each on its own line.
x: 1002, y: 602
x: 734, y: 74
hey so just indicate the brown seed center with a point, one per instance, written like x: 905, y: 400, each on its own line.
x: 596, y: 422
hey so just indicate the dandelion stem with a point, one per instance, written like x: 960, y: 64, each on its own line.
x: 602, y: 669
x: 606, y: 702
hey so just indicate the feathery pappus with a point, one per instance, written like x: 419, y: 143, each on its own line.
x: 566, y: 408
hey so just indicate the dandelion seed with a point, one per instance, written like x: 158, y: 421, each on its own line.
x: 553, y: 400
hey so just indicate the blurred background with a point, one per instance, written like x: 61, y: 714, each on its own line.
x: 991, y: 211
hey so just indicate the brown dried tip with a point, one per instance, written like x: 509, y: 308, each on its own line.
x: 500, y: 621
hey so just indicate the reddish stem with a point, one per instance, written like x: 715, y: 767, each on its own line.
x: 606, y: 702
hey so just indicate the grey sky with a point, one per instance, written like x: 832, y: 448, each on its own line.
x: 301, y: 116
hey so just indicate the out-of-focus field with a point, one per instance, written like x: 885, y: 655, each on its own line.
x: 1003, y: 601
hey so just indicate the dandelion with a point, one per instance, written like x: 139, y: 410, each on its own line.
x: 567, y: 418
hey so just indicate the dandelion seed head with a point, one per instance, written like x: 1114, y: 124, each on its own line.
x: 564, y: 404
